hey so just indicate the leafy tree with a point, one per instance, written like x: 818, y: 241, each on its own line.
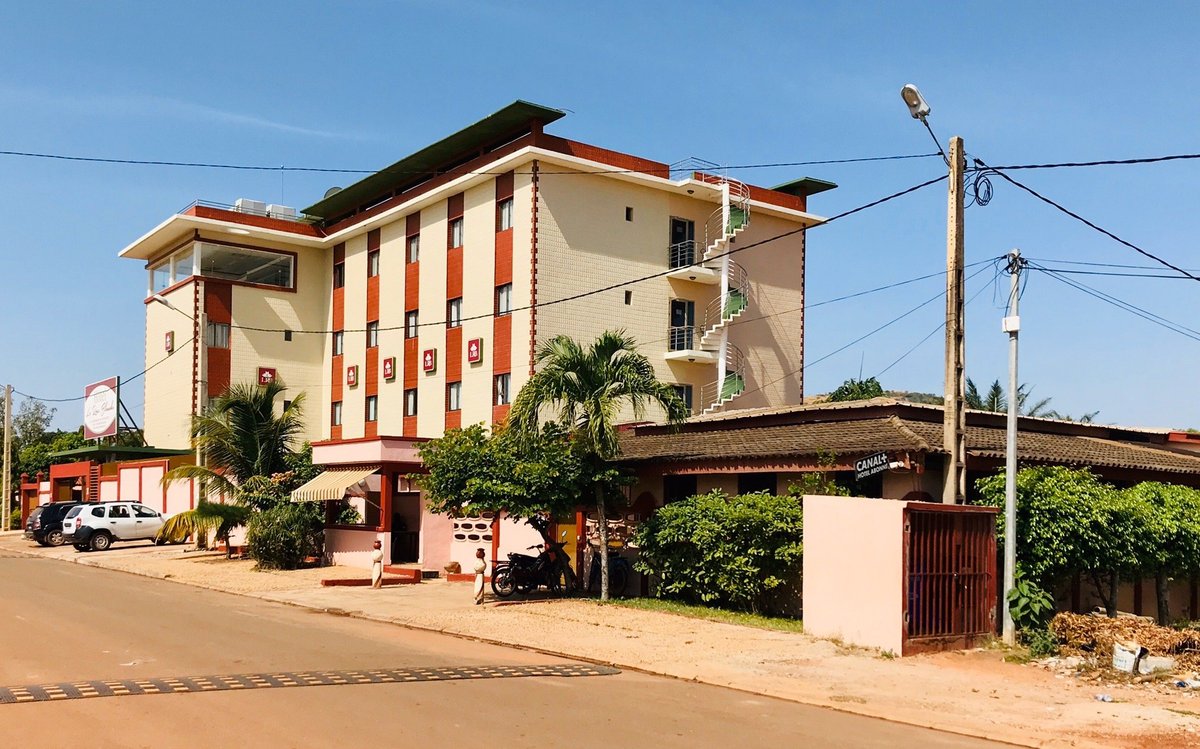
x: 34, y: 457
x: 856, y: 390
x: 240, y: 436
x: 1170, y: 537
x: 588, y: 389
x: 997, y: 400
x: 730, y: 551
x: 470, y: 471
x: 285, y: 535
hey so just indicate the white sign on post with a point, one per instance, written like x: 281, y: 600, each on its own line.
x: 100, y: 403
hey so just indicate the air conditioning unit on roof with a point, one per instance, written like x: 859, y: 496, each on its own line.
x: 281, y: 211
x: 245, y: 205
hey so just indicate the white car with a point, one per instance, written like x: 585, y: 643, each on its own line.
x: 94, y: 526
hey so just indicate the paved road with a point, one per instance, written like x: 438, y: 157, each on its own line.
x: 63, y: 624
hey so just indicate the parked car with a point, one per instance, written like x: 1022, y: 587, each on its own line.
x: 95, y: 526
x: 44, y: 525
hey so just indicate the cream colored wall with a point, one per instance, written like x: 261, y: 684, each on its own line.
x: 584, y: 242
x: 479, y: 277
x: 167, y: 388
x: 300, y: 363
x: 431, y: 386
x: 522, y: 261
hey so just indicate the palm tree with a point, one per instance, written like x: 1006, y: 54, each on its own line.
x: 588, y: 388
x: 996, y: 400
x: 240, y: 438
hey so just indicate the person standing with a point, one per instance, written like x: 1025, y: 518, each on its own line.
x: 377, y: 566
x: 480, y: 568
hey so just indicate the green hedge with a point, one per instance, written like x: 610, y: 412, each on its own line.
x: 738, y: 552
x: 282, y: 537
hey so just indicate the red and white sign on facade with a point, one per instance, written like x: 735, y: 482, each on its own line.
x: 475, y: 350
x: 169, y: 342
x: 429, y: 360
x: 101, y: 400
x: 352, y: 376
x: 266, y: 375
x: 389, y: 368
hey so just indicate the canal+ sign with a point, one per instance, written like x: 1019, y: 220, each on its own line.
x: 865, y: 468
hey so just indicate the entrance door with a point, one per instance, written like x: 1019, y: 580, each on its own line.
x: 406, y: 527
x: 683, y: 248
x: 683, y: 320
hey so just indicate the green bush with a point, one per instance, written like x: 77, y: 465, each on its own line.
x: 283, y: 536
x: 737, y: 552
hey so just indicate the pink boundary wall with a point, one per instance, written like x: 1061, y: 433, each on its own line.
x: 854, y: 570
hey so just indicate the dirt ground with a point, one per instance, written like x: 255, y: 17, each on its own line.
x: 975, y: 693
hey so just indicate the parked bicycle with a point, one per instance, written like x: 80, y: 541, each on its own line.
x: 618, y: 573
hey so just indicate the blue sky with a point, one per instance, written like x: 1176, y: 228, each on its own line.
x: 360, y: 84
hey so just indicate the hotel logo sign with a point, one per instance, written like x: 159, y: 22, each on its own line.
x: 101, y: 400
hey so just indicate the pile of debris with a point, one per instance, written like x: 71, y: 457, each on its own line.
x: 1129, y: 640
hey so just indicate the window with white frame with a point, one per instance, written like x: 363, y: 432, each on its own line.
x: 503, y: 385
x: 216, y: 335
x: 456, y: 232
x: 372, y: 408
x: 454, y: 396
x: 373, y: 263
x: 410, y: 324
x: 504, y: 212
x: 454, y: 313
x: 339, y: 343
x: 414, y: 248
x: 410, y: 402
x: 335, y: 414
x: 504, y: 299
x: 373, y: 334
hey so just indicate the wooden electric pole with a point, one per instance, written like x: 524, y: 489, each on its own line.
x: 954, y: 419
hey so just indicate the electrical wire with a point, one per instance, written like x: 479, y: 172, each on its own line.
x: 430, y: 172
x: 622, y: 284
x: 1106, y: 162
x: 1088, y: 223
x: 1102, y: 265
x: 861, y: 338
x: 123, y: 382
x: 1122, y: 304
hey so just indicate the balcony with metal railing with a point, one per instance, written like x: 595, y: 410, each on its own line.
x: 683, y: 344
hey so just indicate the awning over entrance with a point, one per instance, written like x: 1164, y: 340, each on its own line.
x: 331, y: 485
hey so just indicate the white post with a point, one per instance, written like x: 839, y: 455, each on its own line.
x: 1012, y: 326
x: 7, y: 486
x: 954, y: 423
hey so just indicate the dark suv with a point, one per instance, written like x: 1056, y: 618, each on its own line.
x: 45, y: 523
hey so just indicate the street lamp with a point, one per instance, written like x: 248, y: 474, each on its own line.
x: 917, y: 106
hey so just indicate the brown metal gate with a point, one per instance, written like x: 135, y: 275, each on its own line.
x: 949, y: 576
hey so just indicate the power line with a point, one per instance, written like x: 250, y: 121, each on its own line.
x: 1106, y: 162
x: 122, y: 382
x: 1094, y: 264
x: 1073, y: 271
x: 433, y: 172
x: 861, y: 338
x: 1122, y: 304
x: 1088, y: 223
x: 611, y: 287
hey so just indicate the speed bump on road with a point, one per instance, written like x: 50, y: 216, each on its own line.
x: 78, y: 690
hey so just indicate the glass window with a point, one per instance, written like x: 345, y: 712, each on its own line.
x: 339, y: 275
x: 503, y: 383
x: 373, y: 263
x: 504, y: 299
x: 160, y: 277
x: 454, y: 396
x: 410, y: 324
x: 335, y: 415
x: 410, y: 402
x: 414, y: 248
x: 216, y: 335
x: 372, y: 408
x: 339, y: 343
x: 685, y: 394
x: 183, y: 265
x: 454, y: 313
x: 97, y: 512
x: 456, y: 232
x: 144, y: 512
x: 372, y: 334
x: 504, y: 214
x: 118, y: 511
x: 246, y: 265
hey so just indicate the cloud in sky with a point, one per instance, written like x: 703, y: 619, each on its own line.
x: 141, y: 106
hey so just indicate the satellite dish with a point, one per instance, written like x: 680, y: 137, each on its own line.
x: 332, y: 191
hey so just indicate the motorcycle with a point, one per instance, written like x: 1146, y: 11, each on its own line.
x: 523, y: 573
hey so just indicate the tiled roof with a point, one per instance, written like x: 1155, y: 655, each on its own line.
x: 856, y: 437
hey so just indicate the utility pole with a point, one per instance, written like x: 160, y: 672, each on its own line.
x: 954, y: 423
x: 5, y: 521
x: 1012, y: 326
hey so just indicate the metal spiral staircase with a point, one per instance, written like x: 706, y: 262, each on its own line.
x: 735, y: 297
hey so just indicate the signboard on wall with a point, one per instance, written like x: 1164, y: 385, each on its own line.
x: 429, y: 360
x: 169, y: 342
x: 101, y: 400
x: 865, y: 468
x: 475, y: 350
x: 266, y: 375
x: 352, y: 375
x: 389, y: 368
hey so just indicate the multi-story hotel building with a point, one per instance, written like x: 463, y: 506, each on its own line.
x: 412, y: 301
